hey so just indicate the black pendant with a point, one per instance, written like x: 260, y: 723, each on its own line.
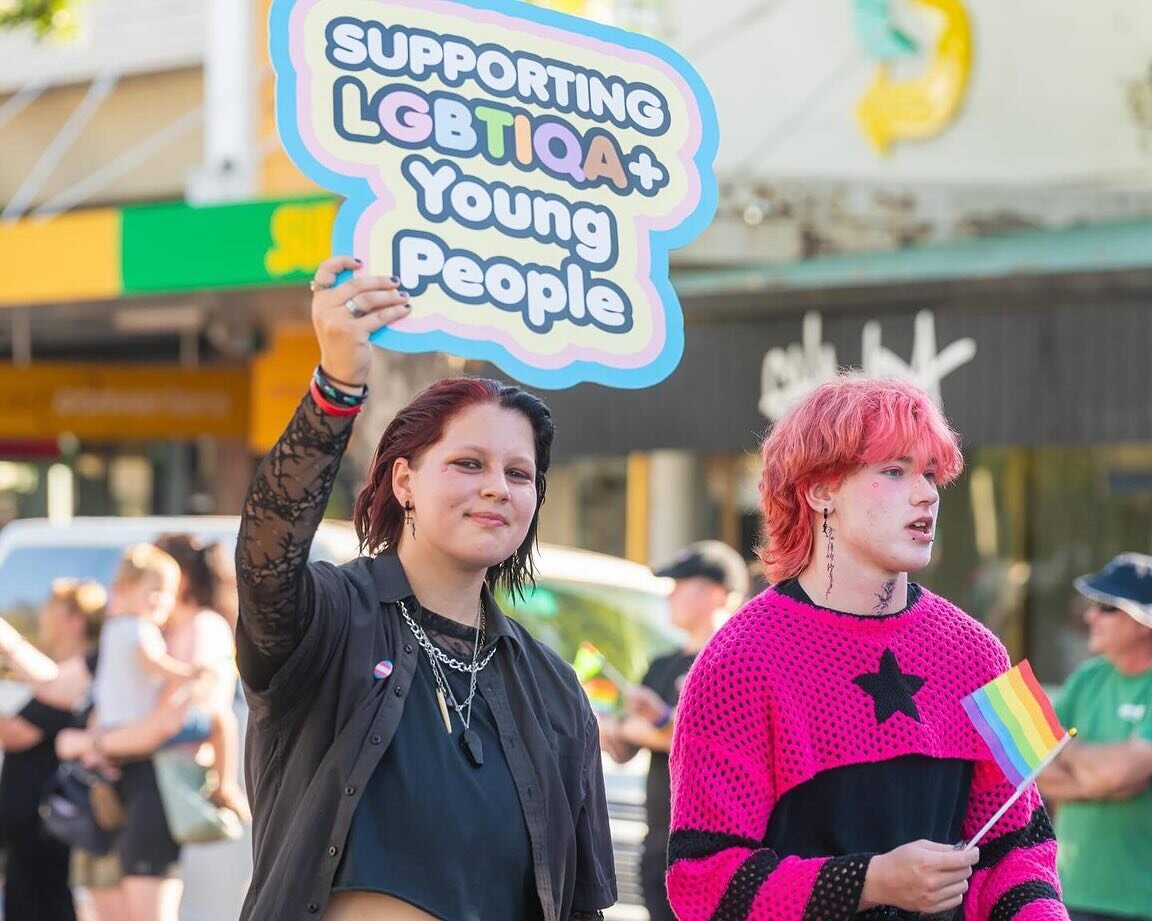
x: 472, y: 746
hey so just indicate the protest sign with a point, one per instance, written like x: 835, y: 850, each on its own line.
x: 524, y: 173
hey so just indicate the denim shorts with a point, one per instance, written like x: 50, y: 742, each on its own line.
x: 197, y: 727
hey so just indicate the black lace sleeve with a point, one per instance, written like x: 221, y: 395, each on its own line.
x: 282, y: 511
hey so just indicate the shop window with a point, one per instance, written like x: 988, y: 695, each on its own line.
x: 20, y: 490
x: 1021, y: 524
x: 586, y: 505
x: 980, y: 559
x: 1086, y: 505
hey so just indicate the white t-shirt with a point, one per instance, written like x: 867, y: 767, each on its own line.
x: 123, y: 689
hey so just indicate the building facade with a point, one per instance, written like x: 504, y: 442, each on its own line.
x: 927, y: 189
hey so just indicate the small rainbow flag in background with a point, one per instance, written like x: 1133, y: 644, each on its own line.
x: 603, y: 684
x: 1013, y: 715
x: 603, y: 695
x: 589, y: 662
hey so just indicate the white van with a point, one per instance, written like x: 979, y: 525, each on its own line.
x: 579, y: 596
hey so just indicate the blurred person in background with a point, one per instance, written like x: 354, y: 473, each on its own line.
x: 711, y: 581
x: 822, y: 764
x: 133, y: 666
x: 198, y: 632
x: 1100, y: 782
x: 202, y: 717
x: 37, y: 874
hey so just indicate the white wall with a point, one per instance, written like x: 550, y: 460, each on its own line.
x: 128, y: 119
x: 129, y: 36
x: 1048, y: 105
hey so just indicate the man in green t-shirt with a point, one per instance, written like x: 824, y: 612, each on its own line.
x: 1100, y: 783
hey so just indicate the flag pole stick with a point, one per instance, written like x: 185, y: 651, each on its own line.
x: 1024, y: 784
x: 609, y: 670
x: 614, y: 676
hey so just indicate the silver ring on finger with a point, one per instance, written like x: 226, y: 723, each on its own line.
x: 351, y: 306
x: 315, y: 286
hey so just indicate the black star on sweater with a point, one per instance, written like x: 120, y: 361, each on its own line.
x: 891, y: 689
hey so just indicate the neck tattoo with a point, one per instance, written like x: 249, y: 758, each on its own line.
x: 884, y: 598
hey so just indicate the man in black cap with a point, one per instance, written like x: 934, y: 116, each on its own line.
x: 711, y: 580
x: 1101, y: 780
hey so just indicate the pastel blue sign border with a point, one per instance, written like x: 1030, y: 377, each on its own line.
x: 359, y: 196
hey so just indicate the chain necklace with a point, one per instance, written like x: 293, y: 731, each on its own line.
x: 469, y: 740
x: 444, y: 689
x: 439, y: 655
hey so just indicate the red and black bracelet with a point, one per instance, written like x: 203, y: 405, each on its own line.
x: 331, y: 388
x: 330, y: 408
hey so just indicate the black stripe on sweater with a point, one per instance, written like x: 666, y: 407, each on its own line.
x: 838, y: 887
x: 1037, y: 831
x: 1009, y: 905
x: 696, y: 845
x: 744, y: 886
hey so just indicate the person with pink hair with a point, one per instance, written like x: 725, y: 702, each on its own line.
x: 822, y: 765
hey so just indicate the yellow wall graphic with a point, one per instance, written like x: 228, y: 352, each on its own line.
x: 903, y: 110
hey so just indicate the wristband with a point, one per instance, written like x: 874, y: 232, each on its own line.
x: 337, y: 381
x: 334, y: 394
x: 669, y: 712
x: 328, y: 407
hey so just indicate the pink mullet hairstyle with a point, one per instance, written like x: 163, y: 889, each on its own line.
x: 841, y: 426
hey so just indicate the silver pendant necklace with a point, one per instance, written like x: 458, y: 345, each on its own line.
x: 470, y: 741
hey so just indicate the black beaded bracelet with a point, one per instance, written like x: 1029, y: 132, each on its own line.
x: 335, y: 394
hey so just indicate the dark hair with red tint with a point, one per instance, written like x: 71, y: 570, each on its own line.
x: 378, y: 514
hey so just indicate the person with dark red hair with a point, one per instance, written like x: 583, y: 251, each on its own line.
x: 822, y: 764
x: 412, y: 752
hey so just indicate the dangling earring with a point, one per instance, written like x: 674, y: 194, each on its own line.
x: 829, y: 551
x: 409, y: 518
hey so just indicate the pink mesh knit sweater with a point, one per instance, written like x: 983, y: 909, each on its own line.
x: 787, y: 691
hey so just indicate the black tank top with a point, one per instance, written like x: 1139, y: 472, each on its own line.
x: 435, y: 831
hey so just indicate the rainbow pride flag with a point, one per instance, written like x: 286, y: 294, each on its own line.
x: 602, y: 683
x: 603, y: 695
x: 1014, y: 716
x: 589, y: 662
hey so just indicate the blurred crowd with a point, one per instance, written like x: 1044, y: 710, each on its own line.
x: 127, y: 747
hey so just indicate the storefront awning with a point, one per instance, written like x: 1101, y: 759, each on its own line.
x: 1097, y: 248
x: 165, y: 248
x: 175, y: 247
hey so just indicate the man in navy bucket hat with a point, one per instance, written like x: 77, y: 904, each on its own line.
x: 1101, y: 781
